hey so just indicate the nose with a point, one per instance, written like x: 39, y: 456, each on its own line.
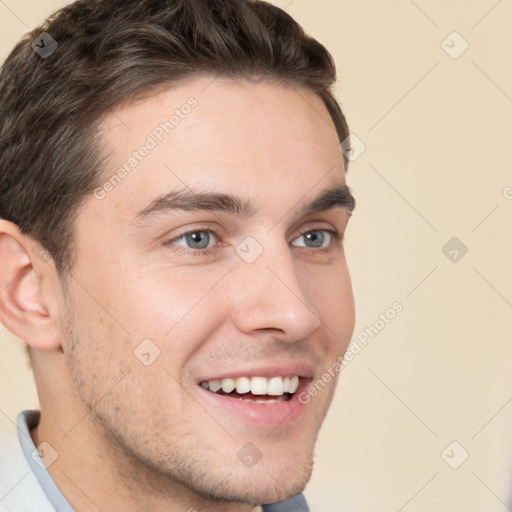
x: 270, y: 297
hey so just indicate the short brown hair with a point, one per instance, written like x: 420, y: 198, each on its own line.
x: 113, y: 50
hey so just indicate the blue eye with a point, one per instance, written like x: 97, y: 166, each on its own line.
x: 317, y: 238
x: 198, y: 239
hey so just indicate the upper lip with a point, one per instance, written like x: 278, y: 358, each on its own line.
x: 272, y: 370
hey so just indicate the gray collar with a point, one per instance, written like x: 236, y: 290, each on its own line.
x: 26, y: 421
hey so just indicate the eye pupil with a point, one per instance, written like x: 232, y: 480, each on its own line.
x: 197, y: 237
x: 317, y: 237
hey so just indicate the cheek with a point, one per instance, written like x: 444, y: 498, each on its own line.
x: 154, y: 303
x: 178, y: 309
x: 95, y: 352
x: 329, y: 290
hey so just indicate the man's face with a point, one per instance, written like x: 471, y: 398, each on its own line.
x: 154, y: 314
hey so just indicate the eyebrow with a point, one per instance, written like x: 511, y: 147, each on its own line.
x: 337, y: 196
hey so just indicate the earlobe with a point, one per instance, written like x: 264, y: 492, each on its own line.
x: 22, y: 308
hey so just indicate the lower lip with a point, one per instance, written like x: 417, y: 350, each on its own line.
x: 261, y: 414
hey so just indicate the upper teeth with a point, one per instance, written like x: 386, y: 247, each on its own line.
x: 256, y: 385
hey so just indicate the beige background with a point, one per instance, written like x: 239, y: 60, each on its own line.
x: 437, y: 164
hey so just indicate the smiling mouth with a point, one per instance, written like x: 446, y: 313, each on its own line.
x: 259, y: 390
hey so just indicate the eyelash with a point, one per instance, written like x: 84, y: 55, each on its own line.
x: 336, y: 236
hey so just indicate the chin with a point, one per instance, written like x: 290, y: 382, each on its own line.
x: 269, y: 481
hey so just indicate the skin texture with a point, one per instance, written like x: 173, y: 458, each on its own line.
x: 133, y: 437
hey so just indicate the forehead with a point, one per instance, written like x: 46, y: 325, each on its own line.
x: 253, y: 138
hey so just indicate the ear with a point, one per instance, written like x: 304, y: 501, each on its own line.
x: 23, y: 275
